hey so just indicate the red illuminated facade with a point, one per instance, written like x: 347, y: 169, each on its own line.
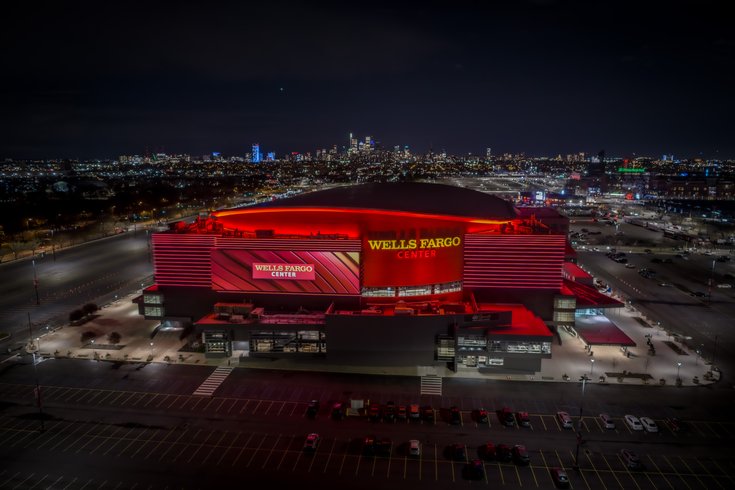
x: 430, y: 254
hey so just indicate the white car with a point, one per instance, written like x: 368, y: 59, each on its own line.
x: 607, y: 421
x: 649, y: 424
x: 633, y: 422
x: 414, y: 447
x: 724, y: 285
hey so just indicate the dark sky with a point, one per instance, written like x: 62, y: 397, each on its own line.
x: 544, y: 77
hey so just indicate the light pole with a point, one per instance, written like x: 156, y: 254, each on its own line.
x: 151, y: 349
x: 35, y: 282
x: 37, y: 391
x: 583, y: 379
x: 592, y: 366
x: 678, y: 367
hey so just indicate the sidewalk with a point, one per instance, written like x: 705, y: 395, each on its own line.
x: 569, y: 362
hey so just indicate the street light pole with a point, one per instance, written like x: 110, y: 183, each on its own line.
x: 592, y: 366
x: 678, y: 367
x: 579, y: 425
x: 35, y: 373
x: 35, y: 282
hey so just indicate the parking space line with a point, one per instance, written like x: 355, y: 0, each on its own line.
x: 70, y: 483
x: 614, y: 474
x: 724, y: 473
x: 176, y: 398
x: 696, y: 427
x: 234, y: 404
x: 231, y: 445
x: 155, y: 395
x: 692, y: 471
x: 257, y: 406
x: 165, y: 399
x: 60, y: 433
x: 298, y: 457
x: 331, y: 449
x: 599, y: 425
x: 186, y: 445
x: 132, y: 441
x: 285, y: 452
x: 313, y: 458
x: 104, y: 439
x: 211, y: 400
x: 594, y: 468
x: 293, y: 409
x: 160, y: 458
x: 344, y: 457
x: 558, y: 427
x: 627, y: 470
x: 271, y: 451
x: 38, y: 482
x: 518, y: 474
x: 112, y: 402
x: 247, y: 402
x: 19, y: 485
x: 109, y: 394
x: 118, y: 441
x: 581, y: 472
x: 29, y: 432
x: 714, y: 432
x: 200, y: 446
x: 533, y: 474
x: 244, y: 446
x: 85, y: 485
x: 220, y: 405
x: 128, y: 398
x: 390, y: 459
x: 145, y: 443
x: 92, y: 426
x: 283, y: 404
x: 94, y: 393
x: 543, y: 423
x: 269, y: 408
x: 265, y: 436
x: 660, y: 472
x: 63, y: 394
x: 500, y: 470
x: 676, y: 472
x: 10, y: 479
x: 436, y: 464
x: 54, y: 483
x: 171, y: 431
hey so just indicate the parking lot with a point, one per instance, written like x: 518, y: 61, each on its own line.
x: 278, y: 446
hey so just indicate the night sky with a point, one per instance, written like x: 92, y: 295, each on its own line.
x: 542, y: 77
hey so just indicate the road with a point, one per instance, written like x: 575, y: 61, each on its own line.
x: 139, y: 426
x: 92, y: 272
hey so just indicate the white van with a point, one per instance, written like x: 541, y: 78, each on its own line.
x: 565, y: 420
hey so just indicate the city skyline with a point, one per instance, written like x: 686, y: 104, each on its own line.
x: 539, y: 77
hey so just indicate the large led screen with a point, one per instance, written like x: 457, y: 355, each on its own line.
x: 298, y: 272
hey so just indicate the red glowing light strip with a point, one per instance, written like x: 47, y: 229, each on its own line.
x: 402, y: 214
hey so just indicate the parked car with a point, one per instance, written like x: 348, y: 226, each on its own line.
x: 338, y: 411
x: 486, y: 451
x: 630, y: 459
x: 414, y: 447
x: 427, y: 413
x: 607, y: 421
x: 368, y: 446
x: 633, y: 422
x: 312, y: 409
x: 402, y: 412
x: 523, y: 419
x: 312, y: 442
x: 520, y: 454
x: 413, y: 412
x: 505, y: 415
x: 503, y: 453
x: 374, y: 412
x: 629, y: 266
x: 475, y: 470
x: 458, y: 452
x: 560, y: 478
x: 649, y: 424
x: 678, y: 425
x: 455, y: 417
x: 482, y: 416
x: 565, y: 420
x: 389, y: 412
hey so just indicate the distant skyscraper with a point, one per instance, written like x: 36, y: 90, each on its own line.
x: 256, y: 158
x: 271, y: 156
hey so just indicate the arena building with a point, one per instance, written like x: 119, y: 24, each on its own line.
x: 396, y: 274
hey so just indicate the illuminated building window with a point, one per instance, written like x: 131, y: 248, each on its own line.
x: 379, y: 292
x: 448, y: 287
x: 564, y: 316
x: 153, y: 311
x: 414, y: 291
x: 153, y: 299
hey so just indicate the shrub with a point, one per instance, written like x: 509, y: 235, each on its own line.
x: 114, y: 338
x: 89, y: 308
x: 76, y: 315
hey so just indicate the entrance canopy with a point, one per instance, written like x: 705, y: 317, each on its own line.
x: 599, y: 330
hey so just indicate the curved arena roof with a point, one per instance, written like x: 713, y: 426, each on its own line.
x: 412, y: 197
